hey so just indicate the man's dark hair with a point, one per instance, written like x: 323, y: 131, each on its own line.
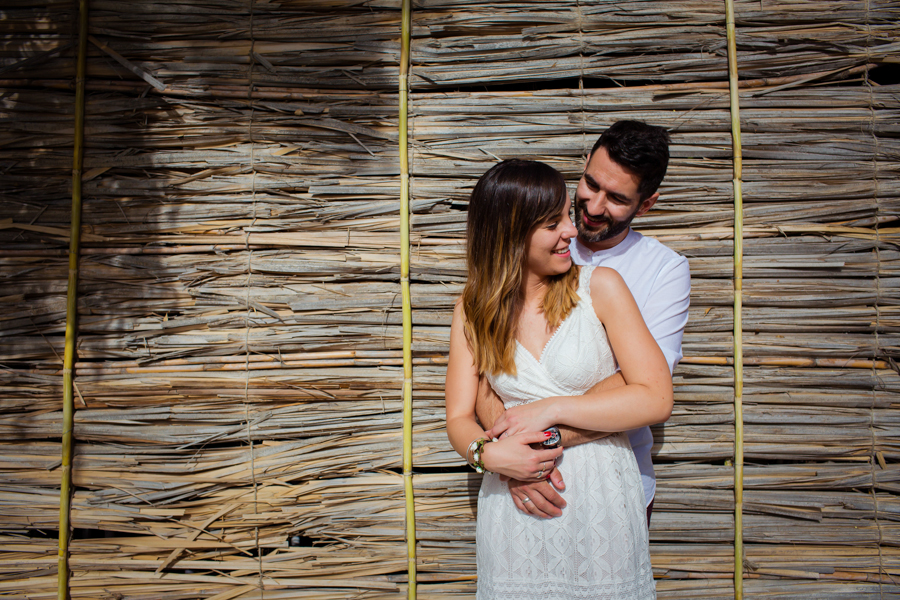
x: 640, y: 148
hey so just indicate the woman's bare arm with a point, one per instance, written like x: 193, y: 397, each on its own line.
x: 511, y: 456
x: 489, y: 408
x: 645, y: 399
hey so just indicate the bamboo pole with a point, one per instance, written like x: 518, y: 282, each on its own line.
x: 65, y: 492
x: 738, y: 289
x: 405, y: 30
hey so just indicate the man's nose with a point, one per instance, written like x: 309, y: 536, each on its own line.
x: 595, y: 203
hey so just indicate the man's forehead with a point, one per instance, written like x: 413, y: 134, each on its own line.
x: 600, y: 159
x: 600, y: 165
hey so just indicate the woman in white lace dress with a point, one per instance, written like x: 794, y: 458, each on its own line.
x: 542, y: 332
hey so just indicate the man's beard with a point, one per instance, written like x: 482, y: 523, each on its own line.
x: 609, y: 228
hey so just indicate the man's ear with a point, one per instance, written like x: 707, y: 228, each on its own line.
x: 587, y: 161
x: 647, y: 205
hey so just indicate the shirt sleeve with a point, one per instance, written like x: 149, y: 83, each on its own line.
x: 666, y: 309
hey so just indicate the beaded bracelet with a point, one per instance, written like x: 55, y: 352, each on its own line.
x: 477, y: 460
x: 470, y: 451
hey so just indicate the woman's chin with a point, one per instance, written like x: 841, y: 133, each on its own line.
x: 557, y: 264
x: 561, y: 265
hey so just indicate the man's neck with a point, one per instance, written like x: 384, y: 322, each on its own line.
x: 605, y: 244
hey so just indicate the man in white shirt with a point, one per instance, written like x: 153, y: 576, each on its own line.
x: 619, y: 183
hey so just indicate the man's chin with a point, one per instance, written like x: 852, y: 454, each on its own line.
x: 592, y: 237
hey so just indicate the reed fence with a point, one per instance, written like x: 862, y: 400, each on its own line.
x: 238, y: 384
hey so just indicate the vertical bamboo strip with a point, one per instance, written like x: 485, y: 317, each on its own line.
x: 65, y: 492
x: 405, y: 31
x: 249, y: 284
x: 873, y: 459
x: 738, y: 287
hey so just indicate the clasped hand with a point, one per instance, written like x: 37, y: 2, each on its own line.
x: 540, y: 497
x: 513, y: 457
x: 534, y: 416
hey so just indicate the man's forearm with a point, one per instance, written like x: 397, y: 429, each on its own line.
x: 575, y: 437
x: 488, y: 406
x: 572, y: 436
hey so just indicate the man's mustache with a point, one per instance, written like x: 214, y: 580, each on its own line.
x: 601, y: 220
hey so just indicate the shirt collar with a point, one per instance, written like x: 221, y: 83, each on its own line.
x: 583, y: 254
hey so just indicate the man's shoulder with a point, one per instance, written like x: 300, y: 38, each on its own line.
x: 650, y: 248
x: 634, y: 252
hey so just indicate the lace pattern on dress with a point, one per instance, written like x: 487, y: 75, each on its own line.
x: 599, y: 547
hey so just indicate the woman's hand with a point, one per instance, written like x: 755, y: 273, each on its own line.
x: 513, y: 456
x: 532, y: 417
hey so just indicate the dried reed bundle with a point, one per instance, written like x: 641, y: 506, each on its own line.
x: 545, y: 41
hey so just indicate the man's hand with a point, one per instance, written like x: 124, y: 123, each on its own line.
x: 539, y: 498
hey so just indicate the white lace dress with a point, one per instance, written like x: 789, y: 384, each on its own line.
x: 598, y: 548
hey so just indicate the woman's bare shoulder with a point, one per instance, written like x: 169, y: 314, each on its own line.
x: 609, y: 292
x: 605, y: 280
x: 458, y: 310
x: 459, y: 314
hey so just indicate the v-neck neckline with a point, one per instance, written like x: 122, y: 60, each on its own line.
x: 540, y: 359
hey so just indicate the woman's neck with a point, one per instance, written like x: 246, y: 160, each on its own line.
x: 534, y: 288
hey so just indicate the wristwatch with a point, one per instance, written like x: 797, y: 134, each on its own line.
x: 554, y: 440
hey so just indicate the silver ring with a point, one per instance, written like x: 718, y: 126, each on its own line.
x: 541, y: 474
x: 526, y: 499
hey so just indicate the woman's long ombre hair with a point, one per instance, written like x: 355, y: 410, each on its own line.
x: 508, y: 202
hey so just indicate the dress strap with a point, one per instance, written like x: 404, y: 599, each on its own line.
x: 584, y: 282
